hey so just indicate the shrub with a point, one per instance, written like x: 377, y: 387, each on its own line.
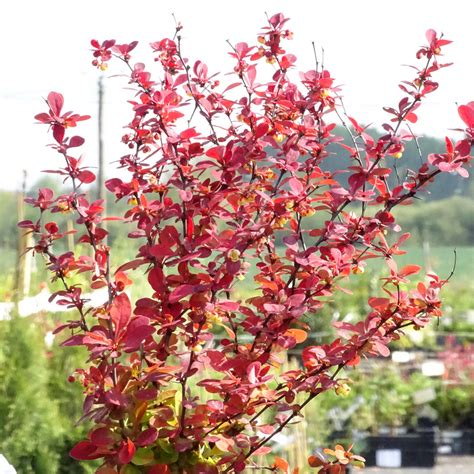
x: 216, y: 174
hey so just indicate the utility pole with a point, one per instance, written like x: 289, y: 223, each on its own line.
x: 101, y: 174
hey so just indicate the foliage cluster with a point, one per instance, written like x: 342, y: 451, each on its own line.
x: 217, y: 174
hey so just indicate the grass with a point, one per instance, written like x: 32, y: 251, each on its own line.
x: 441, y: 260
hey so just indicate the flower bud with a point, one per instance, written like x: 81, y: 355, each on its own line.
x: 343, y: 390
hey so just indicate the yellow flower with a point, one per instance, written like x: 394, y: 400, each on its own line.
x: 324, y: 93
x: 279, y: 137
x: 234, y: 255
x: 280, y: 221
x: 246, y: 200
x: 357, y: 269
x: 64, y: 207
x: 307, y: 212
x: 197, y: 348
x: 213, y: 316
x: 343, y: 389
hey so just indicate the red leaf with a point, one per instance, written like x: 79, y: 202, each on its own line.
x: 298, y: 334
x: 137, y: 331
x: 261, y: 129
x: 120, y: 312
x: 262, y: 451
x: 274, y: 308
x: 132, y: 264
x: 409, y: 270
x: 146, y: 394
x: 281, y: 464
x: 316, y: 460
x: 85, y: 451
x: 115, y: 397
x: 266, y: 283
x: 357, y: 127
x: 26, y: 224
x: 382, y: 349
x: 126, y: 451
x: 95, y: 285
x: 86, y: 176
x: 267, y: 429
x: 76, y: 141
x: 160, y: 250
x: 43, y: 117
x: 55, y: 102
x: 295, y: 186
x: 157, y: 280
x: 77, y: 340
x: 287, y: 61
x: 251, y: 74
x: 252, y: 372
x: 180, y: 292
x: 466, y: 112
x: 102, y: 437
x: 159, y: 469
x: 185, y: 194
x: 58, y: 133
x: 189, y: 132
x: 377, y: 303
x: 147, y: 437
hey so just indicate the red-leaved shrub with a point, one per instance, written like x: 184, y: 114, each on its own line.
x: 216, y: 173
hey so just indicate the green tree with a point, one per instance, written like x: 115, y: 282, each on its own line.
x: 30, y: 428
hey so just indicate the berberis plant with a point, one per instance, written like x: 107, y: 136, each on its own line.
x: 215, y: 174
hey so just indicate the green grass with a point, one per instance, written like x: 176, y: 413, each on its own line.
x: 439, y: 260
x: 442, y: 260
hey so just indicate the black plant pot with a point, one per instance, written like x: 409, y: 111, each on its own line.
x: 415, y: 449
x: 467, y: 442
x: 451, y: 442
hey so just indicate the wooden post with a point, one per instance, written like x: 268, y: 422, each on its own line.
x: 23, y: 272
x: 70, y: 237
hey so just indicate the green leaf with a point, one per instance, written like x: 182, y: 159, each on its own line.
x: 130, y: 469
x: 143, y: 456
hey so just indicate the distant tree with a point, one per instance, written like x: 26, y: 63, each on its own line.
x: 414, y: 153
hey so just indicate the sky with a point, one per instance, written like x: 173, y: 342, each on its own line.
x: 46, y: 46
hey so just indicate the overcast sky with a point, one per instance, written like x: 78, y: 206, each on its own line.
x: 45, y: 46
